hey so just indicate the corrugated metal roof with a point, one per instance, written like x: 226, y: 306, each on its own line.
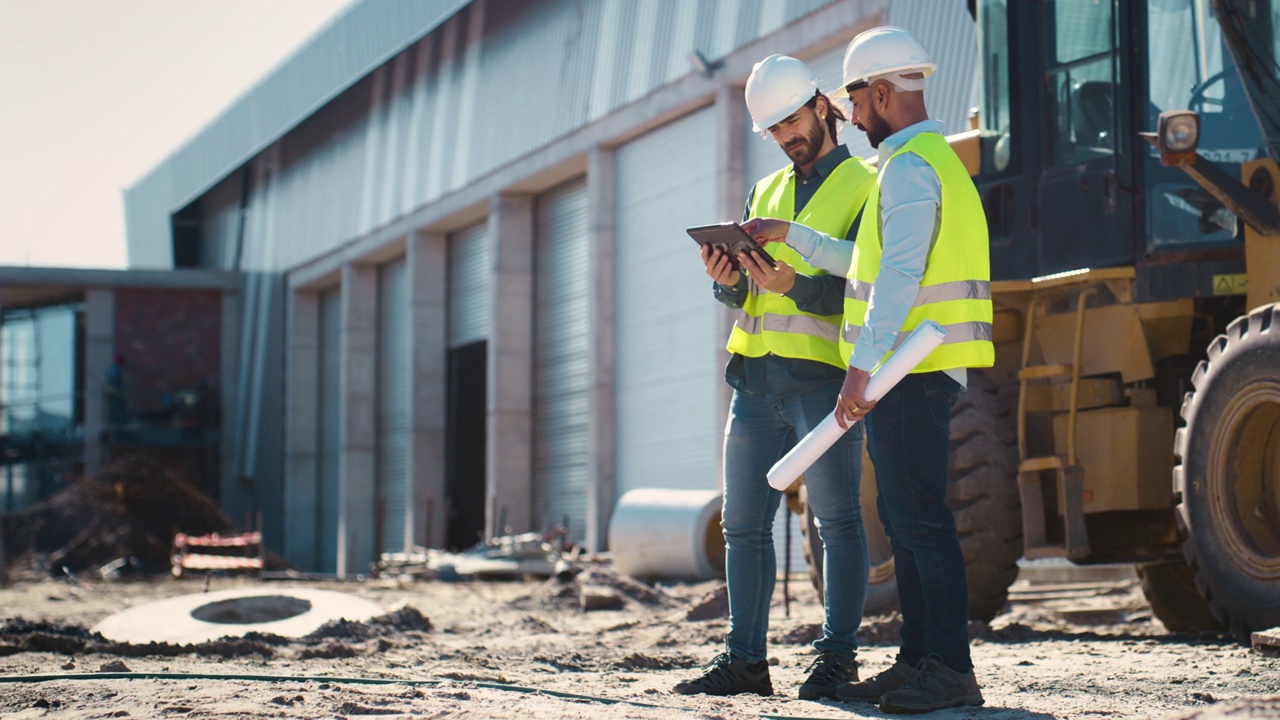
x: 364, y: 37
x: 437, y: 93
x: 493, y: 83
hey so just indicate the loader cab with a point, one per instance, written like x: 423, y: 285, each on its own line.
x: 1066, y: 86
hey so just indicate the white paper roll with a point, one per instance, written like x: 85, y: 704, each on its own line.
x: 922, y: 341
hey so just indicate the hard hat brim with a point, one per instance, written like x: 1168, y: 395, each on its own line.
x: 924, y: 69
x: 779, y: 116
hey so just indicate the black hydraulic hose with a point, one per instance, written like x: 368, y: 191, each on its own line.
x: 322, y: 679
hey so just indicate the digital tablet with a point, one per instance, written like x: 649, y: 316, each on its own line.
x: 731, y: 239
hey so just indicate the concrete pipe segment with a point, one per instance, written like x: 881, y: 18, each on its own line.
x: 190, y: 619
x: 675, y: 534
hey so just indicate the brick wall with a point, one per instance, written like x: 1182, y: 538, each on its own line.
x: 171, y: 340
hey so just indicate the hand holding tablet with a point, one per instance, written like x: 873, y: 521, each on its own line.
x: 730, y: 239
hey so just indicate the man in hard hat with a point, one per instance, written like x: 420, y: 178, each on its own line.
x: 920, y: 254
x: 785, y: 369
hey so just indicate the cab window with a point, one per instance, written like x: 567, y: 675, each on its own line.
x: 1081, y: 74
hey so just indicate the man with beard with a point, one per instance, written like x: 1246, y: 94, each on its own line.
x: 921, y: 254
x: 785, y: 369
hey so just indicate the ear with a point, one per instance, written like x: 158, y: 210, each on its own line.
x: 881, y: 93
x: 821, y: 107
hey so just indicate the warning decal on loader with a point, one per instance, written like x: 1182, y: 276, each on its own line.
x: 1230, y: 284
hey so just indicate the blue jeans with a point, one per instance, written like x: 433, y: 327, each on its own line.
x: 760, y: 431
x: 908, y: 436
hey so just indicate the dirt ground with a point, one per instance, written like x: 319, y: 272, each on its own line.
x: 527, y: 649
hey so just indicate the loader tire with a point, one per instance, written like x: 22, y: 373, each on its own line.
x: 1170, y: 589
x: 983, y: 492
x: 1228, y: 474
x: 983, y: 496
x: 882, y: 589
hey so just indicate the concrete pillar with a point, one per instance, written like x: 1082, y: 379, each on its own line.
x: 100, y: 322
x: 601, y: 486
x: 301, y: 433
x: 508, y: 422
x: 228, y: 381
x: 357, y: 402
x: 731, y: 109
x: 428, y: 288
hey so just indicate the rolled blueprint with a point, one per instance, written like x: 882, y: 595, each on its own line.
x: 922, y: 341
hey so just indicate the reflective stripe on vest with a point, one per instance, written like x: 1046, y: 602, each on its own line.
x: 955, y: 291
x: 770, y: 322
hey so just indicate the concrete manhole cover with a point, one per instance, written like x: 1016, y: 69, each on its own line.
x: 190, y: 619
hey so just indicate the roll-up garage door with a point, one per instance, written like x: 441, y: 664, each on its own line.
x: 329, y: 440
x: 393, y: 403
x: 560, y: 359
x: 470, y: 318
x: 470, y: 261
x: 667, y: 373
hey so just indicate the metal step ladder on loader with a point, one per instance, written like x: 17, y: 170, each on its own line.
x: 1068, y: 474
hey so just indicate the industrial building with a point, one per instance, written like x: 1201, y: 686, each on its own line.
x: 466, y: 301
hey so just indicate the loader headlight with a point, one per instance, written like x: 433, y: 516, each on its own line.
x: 1176, y: 137
x: 1179, y: 131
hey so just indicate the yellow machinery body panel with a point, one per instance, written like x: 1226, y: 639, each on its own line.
x: 1126, y: 454
x: 1262, y: 252
x: 1123, y: 338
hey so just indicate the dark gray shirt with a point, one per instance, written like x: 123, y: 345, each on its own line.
x: 773, y: 375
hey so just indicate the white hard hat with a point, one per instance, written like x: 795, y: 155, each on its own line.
x: 778, y: 86
x: 884, y: 51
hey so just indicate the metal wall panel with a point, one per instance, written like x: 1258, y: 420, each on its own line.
x: 220, y: 208
x: 947, y: 31
x: 419, y: 122
x: 394, y: 393
x: 364, y: 37
x: 329, y: 442
x: 560, y: 356
x: 470, y: 285
x: 667, y: 372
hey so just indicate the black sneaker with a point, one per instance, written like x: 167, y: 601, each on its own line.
x: 935, y: 686
x: 827, y: 671
x: 872, y: 690
x: 729, y: 675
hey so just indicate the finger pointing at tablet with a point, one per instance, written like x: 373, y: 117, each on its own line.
x: 767, y: 230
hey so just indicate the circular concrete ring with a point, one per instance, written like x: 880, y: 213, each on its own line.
x: 191, y: 619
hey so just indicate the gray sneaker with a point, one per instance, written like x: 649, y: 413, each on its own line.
x: 729, y: 674
x: 935, y: 686
x: 826, y: 673
x: 872, y: 690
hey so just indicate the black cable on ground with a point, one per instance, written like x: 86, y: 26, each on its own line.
x: 323, y: 679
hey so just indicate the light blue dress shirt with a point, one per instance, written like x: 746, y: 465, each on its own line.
x: 910, y: 199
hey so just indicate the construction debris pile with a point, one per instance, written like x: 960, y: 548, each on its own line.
x: 124, y: 516
x: 528, y: 555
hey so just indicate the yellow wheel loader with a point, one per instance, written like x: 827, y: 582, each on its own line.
x: 1126, y: 154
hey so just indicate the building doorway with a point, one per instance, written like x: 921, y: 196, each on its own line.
x: 465, y: 492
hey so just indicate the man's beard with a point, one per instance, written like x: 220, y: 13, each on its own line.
x: 875, y: 127
x: 808, y: 149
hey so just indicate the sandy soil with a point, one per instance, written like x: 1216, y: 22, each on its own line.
x: 529, y: 650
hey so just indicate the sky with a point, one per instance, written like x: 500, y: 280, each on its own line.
x: 96, y: 93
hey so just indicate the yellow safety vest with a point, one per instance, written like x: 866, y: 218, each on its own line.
x: 955, y: 291
x: 770, y: 322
